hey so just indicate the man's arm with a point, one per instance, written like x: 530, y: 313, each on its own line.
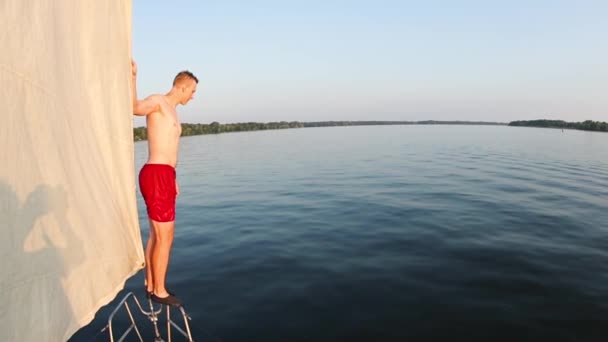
x: 146, y: 106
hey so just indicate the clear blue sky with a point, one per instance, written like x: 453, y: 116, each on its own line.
x: 317, y: 60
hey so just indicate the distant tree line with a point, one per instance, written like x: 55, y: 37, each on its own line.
x: 377, y: 123
x: 585, y: 125
x: 188, y: 129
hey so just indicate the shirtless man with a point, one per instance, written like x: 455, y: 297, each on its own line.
x: 157, y: 180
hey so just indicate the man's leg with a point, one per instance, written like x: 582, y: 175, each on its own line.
x: 149, y: 249
x: 163, y: 233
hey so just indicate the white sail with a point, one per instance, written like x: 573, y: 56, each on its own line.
x: 68, y: 215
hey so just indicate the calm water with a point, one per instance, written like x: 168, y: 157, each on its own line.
x: 422, y: 232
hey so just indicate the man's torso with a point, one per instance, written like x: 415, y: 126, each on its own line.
x: 164, y: 130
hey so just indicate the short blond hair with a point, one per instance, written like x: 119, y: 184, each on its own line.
x: 182, y: 75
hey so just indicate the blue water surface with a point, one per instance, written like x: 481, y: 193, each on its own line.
x: 424, y: 233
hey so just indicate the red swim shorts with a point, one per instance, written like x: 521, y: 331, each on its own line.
x: 157, y: 185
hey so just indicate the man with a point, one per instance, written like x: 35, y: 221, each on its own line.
x: 157, y: 180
